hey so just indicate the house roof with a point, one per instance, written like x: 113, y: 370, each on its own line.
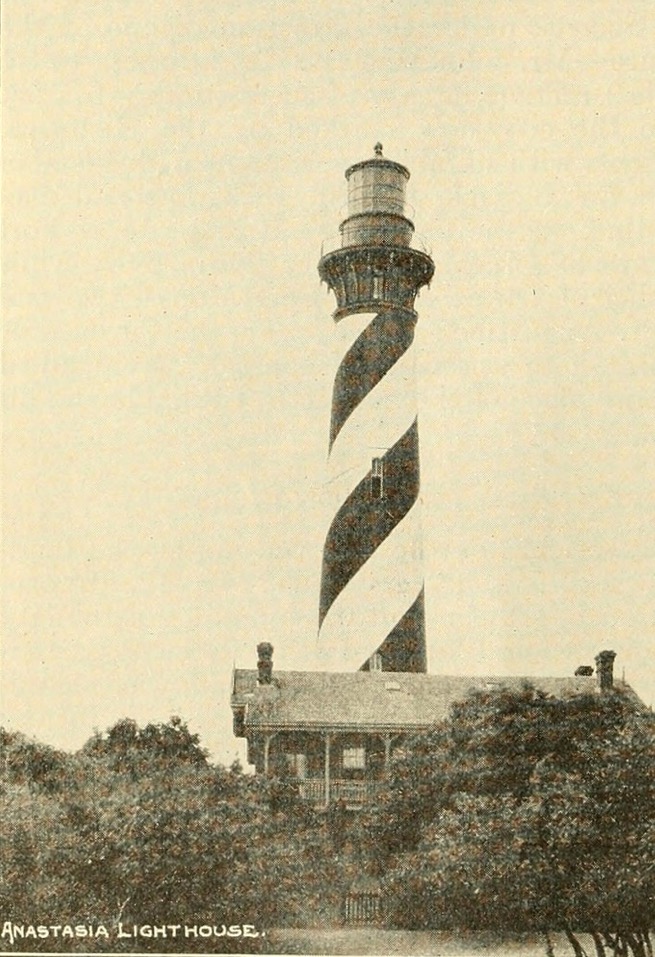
x: 370, y: 699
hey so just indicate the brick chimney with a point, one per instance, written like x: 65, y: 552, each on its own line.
x: 605, y: 670
x: 264, y: 663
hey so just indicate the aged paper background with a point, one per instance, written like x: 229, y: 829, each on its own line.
x: 169, y: 173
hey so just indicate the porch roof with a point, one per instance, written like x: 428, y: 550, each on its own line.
x: 370, y: 699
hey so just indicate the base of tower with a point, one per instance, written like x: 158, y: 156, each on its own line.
x: 404, y: 648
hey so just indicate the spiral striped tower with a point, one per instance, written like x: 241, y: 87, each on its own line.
x: 371, y: 613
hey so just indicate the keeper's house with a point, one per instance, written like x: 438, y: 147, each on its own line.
x: 335, y: 732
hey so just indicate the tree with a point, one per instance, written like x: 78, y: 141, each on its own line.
x: 144, y: 830
x: 531, y: 812
x: 127, y: 747
x: 29, y: 762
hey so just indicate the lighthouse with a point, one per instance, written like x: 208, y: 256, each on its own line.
x: 371, y: 608
x: 335, y: 728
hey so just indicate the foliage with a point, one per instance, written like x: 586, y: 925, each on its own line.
x: 31, y: 763
x: 531, y: 813
x: 141, y: 829
x: 127, y: 747
x: 521, y: 812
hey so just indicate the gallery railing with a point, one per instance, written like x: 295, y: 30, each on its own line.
x: 351, y: 792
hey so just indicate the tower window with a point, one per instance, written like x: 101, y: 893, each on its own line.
x: 377, y: 286
x: 377, y: 478
x: 375, y: 662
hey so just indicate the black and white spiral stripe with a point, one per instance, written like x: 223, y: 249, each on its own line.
x: 372, y: 583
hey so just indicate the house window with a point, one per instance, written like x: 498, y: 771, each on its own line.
x: 297, y: 764
x: 377, y: 477
x: 354, y: 759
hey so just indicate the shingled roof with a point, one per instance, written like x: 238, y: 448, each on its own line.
x: 370, y: 699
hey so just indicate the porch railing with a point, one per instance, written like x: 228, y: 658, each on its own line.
x: 351, y: 792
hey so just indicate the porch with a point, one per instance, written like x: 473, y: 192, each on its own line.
x: 329, y: 766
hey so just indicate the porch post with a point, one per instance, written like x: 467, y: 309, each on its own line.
x: 328, y: 739
x: 267, y: 747
x: 387, y: 752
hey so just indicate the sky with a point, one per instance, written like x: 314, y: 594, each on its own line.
x: 170, y: 170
